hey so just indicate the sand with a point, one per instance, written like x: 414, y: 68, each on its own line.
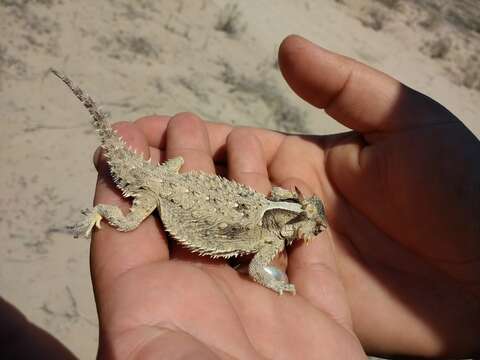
x: 215, y: 58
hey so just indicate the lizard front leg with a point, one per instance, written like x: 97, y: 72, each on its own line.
x: 281, y: 194
x: 142, y: 207
x: 261, y: 270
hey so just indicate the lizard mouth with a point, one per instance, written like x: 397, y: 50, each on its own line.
x: 322, y: 224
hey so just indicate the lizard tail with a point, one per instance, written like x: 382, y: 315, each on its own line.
x: 116, y: 151
x: 99, y: 118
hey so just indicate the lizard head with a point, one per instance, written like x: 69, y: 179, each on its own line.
x: 316, y: 220
x: 310, y: 222
x: 315, y: 212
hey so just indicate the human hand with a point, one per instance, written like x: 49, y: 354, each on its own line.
x: 402, y: 198
x: 404, y: 237
x: 156, y: 302
x: 22, y: 339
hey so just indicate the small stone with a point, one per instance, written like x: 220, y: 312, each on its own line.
x: 276, y: 273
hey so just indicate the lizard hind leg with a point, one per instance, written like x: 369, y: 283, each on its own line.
x: 141, y: 208
x: 261, y: 270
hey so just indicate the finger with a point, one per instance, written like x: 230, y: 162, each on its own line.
x: 356, y: 95
x: 219, y: 133
x: 187, y: 136
x: 270, y: 142
x: 312, y: 268
x: 246, y: 161
x: 114, y: 252
x: 246, y: 164
x: 295, y: 147
x: 154, y: 127
x: 22, y: 339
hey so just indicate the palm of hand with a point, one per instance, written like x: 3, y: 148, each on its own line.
x: 193, y: 306
x: 208, y: 311
x: 397, y: 255
x: 241, y: 306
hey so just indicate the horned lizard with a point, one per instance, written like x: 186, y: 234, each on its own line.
x: 206, y: 213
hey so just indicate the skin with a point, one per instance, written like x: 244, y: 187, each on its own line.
x: 396, y: 272
x: 20, y: 339
x: 398, y: 265
x: 193, y: 307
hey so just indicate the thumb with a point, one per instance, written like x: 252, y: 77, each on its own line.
x: 354, y: 94
x: 401, y: 185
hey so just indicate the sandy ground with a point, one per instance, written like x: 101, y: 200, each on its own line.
x: 216, y: 58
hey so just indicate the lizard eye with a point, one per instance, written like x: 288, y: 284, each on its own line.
x: 314, y: 208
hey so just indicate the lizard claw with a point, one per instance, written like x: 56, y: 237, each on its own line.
x: 284, y: 287
x: 98, y: 220
x: 91, y: 219
x: 278, y: 281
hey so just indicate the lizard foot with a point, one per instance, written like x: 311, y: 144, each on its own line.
x: 84, y: 227
x: 281, y: 287
x: 281, y: 194
x: 278, y: 281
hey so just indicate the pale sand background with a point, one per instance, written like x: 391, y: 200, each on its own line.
x: 216, y: 58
